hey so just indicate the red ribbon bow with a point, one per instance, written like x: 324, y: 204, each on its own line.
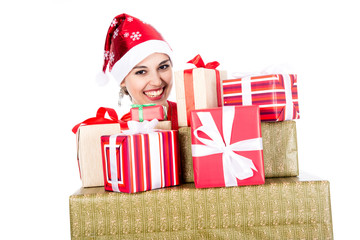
x: 100, y: 118
x: 199, y: 63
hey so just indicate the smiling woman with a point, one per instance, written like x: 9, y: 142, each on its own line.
x: 139, y: 59
x: 150, y: 81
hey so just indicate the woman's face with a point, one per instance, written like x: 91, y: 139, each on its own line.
x: 150, y: 81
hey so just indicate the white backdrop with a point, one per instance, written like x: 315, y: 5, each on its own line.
x: 50, y: 52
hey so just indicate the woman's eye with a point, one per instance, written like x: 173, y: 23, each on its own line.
x: 140, y: 72
x: 165, y: 66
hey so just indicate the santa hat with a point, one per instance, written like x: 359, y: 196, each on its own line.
x: 128, y: 42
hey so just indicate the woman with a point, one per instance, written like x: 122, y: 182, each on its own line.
x: 139, y: 59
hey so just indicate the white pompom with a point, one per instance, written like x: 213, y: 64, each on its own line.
x: 102, y: 79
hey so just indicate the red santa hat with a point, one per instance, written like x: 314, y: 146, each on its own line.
x: 128, y: 42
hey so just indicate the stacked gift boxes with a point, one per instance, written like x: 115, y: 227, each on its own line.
x: 90, y: 150
x: 232, y: 133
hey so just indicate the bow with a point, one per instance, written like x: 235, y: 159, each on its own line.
x: 235, y: 166
x: 199, y: 63
x: 99, y: 119
x: 136, y: 127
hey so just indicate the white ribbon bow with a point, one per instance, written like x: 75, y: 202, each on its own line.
x: 234, y: 165
x: 141, y: 127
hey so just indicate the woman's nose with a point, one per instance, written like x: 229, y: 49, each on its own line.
x: 155, y: 79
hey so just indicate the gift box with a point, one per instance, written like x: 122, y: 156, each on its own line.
x: 282, y: 208
x: 147, y: 112
x: 140, y: 162
x: 227, y: 147
x: 163, y: 125
x: 88, y: 144
x: 197, y: 88
x: 275, y: 94
x: 280, y: 150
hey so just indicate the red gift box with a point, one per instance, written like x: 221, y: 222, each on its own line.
x: 275, y: 94
x: 147, y: 112
x: 140, y: 162
x: 227, y: 147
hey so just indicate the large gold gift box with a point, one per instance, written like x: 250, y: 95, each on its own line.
x: 89, y: 150
x: 279, y: 150
x: 282, y: 208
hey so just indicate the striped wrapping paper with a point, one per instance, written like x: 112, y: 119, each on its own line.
x: 276, y: 95
x: 140, y: 162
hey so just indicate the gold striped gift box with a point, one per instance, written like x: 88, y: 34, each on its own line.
x: 282, y: 208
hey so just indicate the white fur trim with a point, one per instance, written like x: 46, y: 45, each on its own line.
x: 135, y: 55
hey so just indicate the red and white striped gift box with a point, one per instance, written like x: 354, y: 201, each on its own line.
x: 275, y: 94
x: 140, y: 162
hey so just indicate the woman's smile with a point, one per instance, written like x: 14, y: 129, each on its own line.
x: 154, y: 94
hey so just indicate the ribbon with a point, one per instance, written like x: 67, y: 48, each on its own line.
x: 140, y: 107
x: 136, y: 127
x: 189, y: 87
x: 235, y: 166
x: 199, y: 63
x: 113, y: 163
x: 99, y: 119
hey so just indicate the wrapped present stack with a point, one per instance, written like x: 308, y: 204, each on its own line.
x: 229, y: 172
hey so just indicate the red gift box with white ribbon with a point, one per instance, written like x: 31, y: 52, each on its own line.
x: 275, y: 94
x: 227, y: 147
x: 136, y: 161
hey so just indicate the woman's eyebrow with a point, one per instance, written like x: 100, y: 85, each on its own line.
x: 146, y: 66
x: 164, y: 61
x: 139, y: 67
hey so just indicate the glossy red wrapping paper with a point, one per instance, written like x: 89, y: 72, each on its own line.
x: 149, y: 113
x: 275, y: 94
x: 140, y: 162
x: 227, y: 148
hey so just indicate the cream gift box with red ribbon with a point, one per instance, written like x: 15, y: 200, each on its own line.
x: 141, y: 158
x: 275, y: 94
x: 227, y: 147
x: 88, y: 134
x: 197, y: 88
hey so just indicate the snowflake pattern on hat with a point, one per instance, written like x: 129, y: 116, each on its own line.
x: 111, y: 57
x: 113, y: 23
x: 135, y: 36
x: 116, y: 32
x: 106, y: 55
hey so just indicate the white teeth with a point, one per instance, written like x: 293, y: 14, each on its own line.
x: 154, y: 93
